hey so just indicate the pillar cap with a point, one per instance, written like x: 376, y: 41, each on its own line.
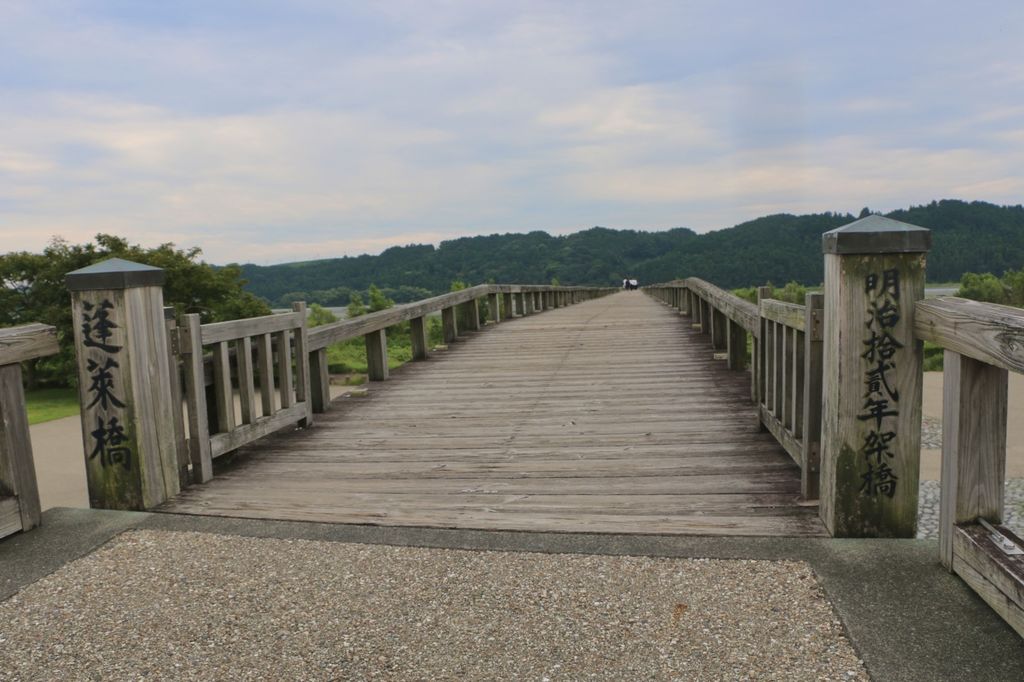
x: 877, y: 234
x: 114, y: 273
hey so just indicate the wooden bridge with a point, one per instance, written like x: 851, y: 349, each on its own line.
x: 607, y: 416
x: 681, y: 409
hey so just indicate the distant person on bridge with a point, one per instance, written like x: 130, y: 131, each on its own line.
x: 625, y: 283
x: 633, y: 284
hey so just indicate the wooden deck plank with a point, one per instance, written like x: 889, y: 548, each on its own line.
x: 607, y: 416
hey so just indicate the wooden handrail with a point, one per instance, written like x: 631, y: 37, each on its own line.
x: 735, y: 308
x: 27, y: 342
x: 328, y: 334
x: 991, y: 333
x: 983, y: 342
x: 19, y: 491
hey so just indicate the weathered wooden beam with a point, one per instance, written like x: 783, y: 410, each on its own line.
x: 736, y: 345
x: 418, y: 333
x: 810, y: 468
x: 718, y: 330
x: 996, y: 577
x: 449, y: 325
x: 191, y: 336
x: 286, y: 389
x: 377, y: 355
x: 175, y: 366
x: 789, y: 314
x: 493, y: 309
x: 471, y: 314
x: 302, y: 379
x: 29, y: 341
x: 17, y: 469
x: 321, y: 380
x: 246, y: 379
x: 265, y: 364
x: 974, y: 414
x: 988, y: 332
x: 735, y: 307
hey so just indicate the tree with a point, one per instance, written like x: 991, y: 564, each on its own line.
x: 356, y: 307
x: 33, y: 290
x: 319, y: 315
x: 378, y: 301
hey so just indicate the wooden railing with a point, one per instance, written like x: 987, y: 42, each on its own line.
x: 983, y: 343
x: 287, y: 361
x: 264, y: 348
x: 785, y: 339
x: 790, y: 380
x: 19, y: 492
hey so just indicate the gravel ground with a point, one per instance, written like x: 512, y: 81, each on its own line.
x: 165, y: 605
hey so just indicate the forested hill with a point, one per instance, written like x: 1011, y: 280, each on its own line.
x: 967, y: 237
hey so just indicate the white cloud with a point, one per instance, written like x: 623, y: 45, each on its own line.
x: 327, y: 129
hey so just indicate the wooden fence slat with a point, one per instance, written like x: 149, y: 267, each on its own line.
x: 302, y: 378
x: 175, y: 366
x: 265, y: 363
x: 222, y: 387
x: 191, y: 342
x: 246, y: 381
x: 283, y: 341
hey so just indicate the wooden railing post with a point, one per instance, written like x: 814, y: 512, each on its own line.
x: 302, y: 370
x: 521, y: 304
x: 124, y: 384
x: 376, y: 355
x: 471, y: 313
x: 493, y: 309
x: 449, y: 326
x: 736, y: 345
x: 718, y: 329
x: 320, y: 377
x: 871, y: 415
x: 418, y: 333
x: 191, y: 340
x: 760, y: 354
x: 506, y: 301
x: 974, y: 413
x: 173, y: 353
x: 17, y: 471
x: 810, y: 469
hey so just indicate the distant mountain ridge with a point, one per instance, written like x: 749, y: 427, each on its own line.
x: 967, y: 237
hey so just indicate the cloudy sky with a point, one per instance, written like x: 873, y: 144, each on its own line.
x: 275, y: 131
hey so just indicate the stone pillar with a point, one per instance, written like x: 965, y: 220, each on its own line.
x: 124, y: 376
x: 871, y: 368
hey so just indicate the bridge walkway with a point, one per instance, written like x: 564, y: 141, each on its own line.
x: 607, y: 416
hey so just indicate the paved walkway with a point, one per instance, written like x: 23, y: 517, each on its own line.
x: 365, y: 602
x: 606, y: 416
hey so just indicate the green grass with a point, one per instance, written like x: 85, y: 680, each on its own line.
x: 47, y: 404
x: 349, y: 357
